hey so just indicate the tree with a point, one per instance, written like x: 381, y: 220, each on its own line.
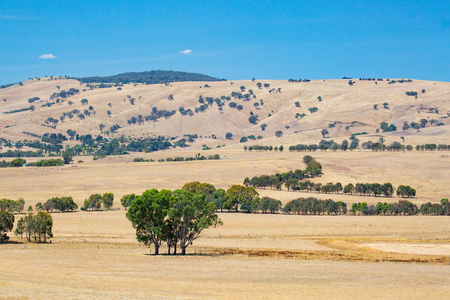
x: 229, y: 135
x: 253, y: 119
x: 126, y: 200
x: 18, y: 162
x: 108, y: 200
x: 93, y: 202
x: 35, y: 227
x: 147, y: 214
x: 259, y: 84
x: 6, y: 224
x: 43, y: 226
x: 218, y: 198
x: 387, y: 189
x: 39, y: 207
x: 67, y: 157
x: 191, y: 214
x: 238, y: 195
x: 279, y: 133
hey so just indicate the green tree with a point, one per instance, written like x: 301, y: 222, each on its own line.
x: 147, y: 214
x: 18, y: 162
x: 126, y: 200
x: 237, y: 195
x: 108, y: 200
x: 229, y: 135
x: 193, y: 214
x: 94, y: 202
x: 67, y: 157
x: 43, y: 226
x: 387, y: 189
x: 6, y: 224
x: 36, y: 228
x: 19, y: 205
x: 39, y: 207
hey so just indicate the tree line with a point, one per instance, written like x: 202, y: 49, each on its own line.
x: 11, y: 206
x: 247, y: 200
x: 402, y: 207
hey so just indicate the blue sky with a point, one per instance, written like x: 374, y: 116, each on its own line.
x: 226, y: 39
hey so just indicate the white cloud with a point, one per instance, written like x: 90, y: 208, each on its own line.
x: 187, y: 51
x: 47, y: 56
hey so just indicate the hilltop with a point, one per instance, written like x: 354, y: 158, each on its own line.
x: 149, y: 77
x: 275, y: 111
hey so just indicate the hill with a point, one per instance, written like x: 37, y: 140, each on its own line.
x: 149, y: 77
x: 270, y: 112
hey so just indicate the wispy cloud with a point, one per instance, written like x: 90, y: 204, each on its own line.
x: 47, y: 56
x: 187, y: 51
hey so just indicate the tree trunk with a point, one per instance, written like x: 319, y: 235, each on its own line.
x: 175, y: 249
x: 156, y: 249
x: 168, y: 251
x: 183, y: 250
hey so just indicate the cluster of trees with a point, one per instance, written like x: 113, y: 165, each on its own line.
x: 325, y: 145
x: 411, y: 93
x: 290, y: 179
x: 15, y: 163
x: 176, y: 218
x: 406, y: 191
x: 399, y: 81
x: 264, y: 148
x: 31, y: 100
x: 101, y: 146
x: 245, y: 139
x: 65, y: 94
x: 403, y: 207
x: 421, y: 124
x: 35, y: 227
x: 387, y: 128
x: 191, y: 158
x: 371, y: 79
x: 246, y: 199
x: 299, y: 80
x: 19, y: 110
x: 47, y: 163
x: 97, y: 201
x: 432, y: 147
x: 313, y: 206
x: 154, y: 116
x: 11, y: 206
x: 61, y: 204
x: 149, y: 77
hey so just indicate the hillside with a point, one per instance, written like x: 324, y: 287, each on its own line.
x: 300, y: 110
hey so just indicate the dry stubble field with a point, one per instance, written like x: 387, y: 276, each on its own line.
x: 95, y: 255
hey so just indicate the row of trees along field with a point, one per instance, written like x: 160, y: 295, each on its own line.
x: 362, y: 189
x: 247, y: 200
x: 313, y: 169
x: 344, y: 146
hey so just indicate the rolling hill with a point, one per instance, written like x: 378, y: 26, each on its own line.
x: 298, y: 112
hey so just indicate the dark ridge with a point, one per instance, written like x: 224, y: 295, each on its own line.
x: 149, y: 77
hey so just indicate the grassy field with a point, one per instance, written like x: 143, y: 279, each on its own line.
x: 95, y: 254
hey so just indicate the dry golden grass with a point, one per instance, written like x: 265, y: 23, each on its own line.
x: 95, y: 255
